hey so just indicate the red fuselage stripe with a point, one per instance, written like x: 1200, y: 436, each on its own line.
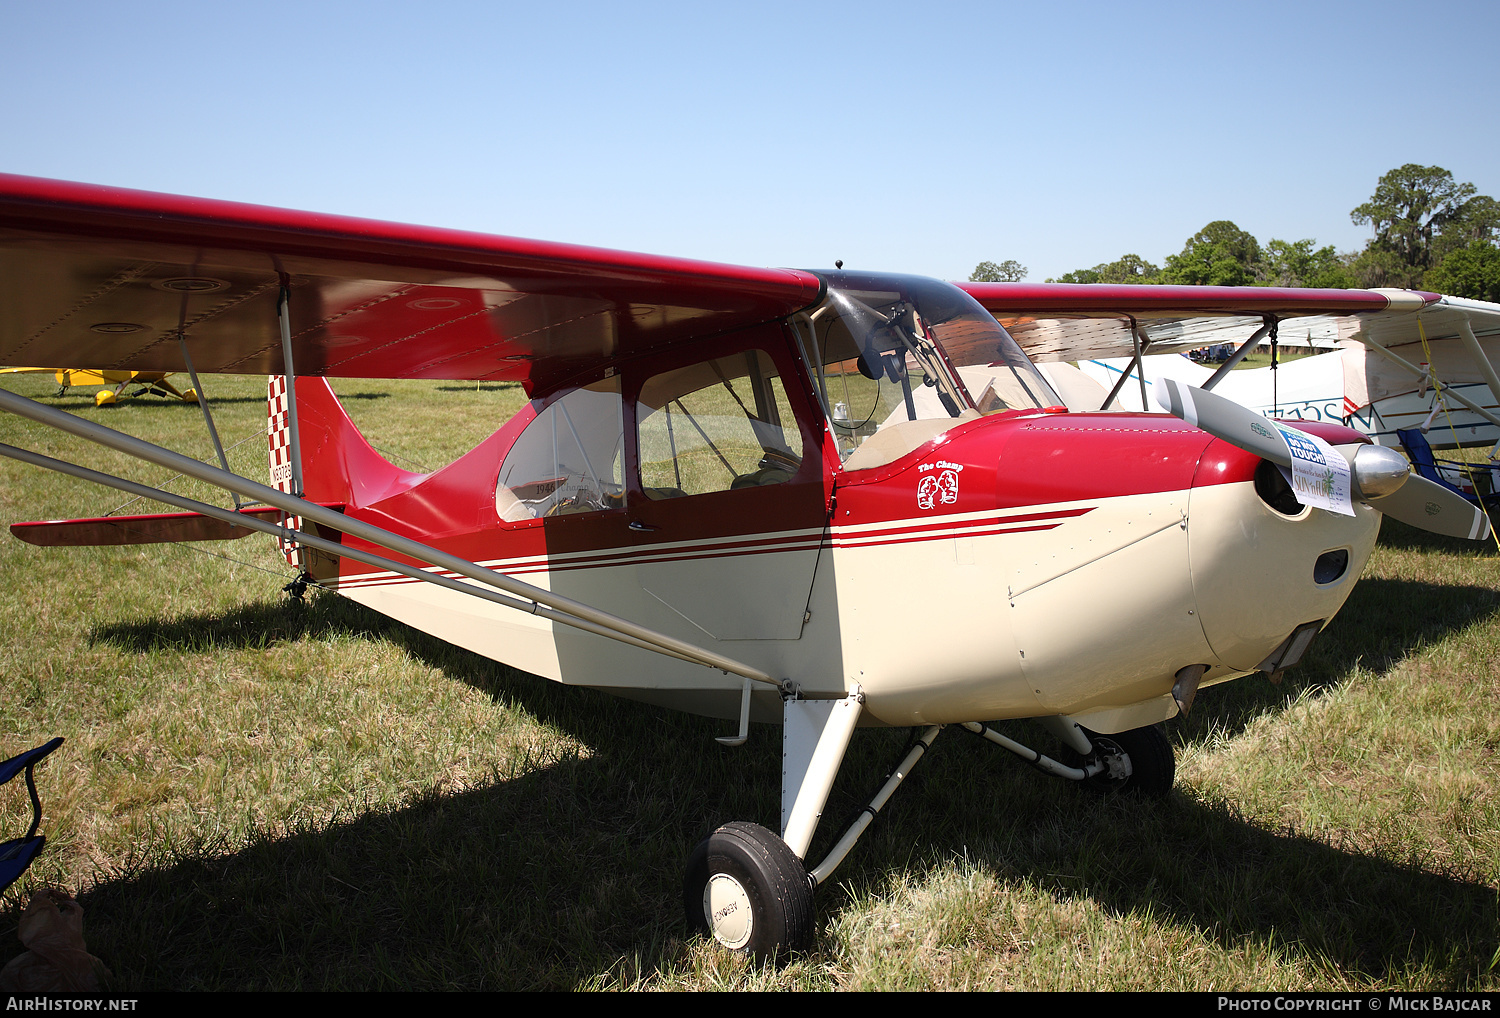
x: 765, y: 546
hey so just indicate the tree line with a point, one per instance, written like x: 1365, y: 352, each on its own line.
x: 1430, y: 233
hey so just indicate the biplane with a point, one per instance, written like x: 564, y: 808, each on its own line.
x: 1434, y: 372
x: 155, y: 383
x: 824, y: 499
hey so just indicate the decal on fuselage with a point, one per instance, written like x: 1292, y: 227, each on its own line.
x: 940, y: 487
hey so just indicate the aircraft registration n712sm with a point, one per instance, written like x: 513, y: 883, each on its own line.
x: 737, y: 491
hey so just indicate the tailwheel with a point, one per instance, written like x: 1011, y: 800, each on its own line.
x: 750, y: 891
x: 1139, y: 761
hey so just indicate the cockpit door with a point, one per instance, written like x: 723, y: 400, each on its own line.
x: 728, y: 508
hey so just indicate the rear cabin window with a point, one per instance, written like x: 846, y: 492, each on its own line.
x: 718, y: 425
x: 570, y: 459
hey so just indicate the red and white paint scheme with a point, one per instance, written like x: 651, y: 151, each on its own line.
x: 825, y: 499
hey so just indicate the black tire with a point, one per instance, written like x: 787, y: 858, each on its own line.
x: 764, y: 895
x: 1153, y: 766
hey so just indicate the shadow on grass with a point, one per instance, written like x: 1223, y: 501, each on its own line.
x: 85, y: 401
x: 486, y: 387
x: 540, y: 880
x: 1395, y: 534
x: 1191, y: 864
x: 544, y: 878
x: 555, y: 876
x: 343, y: 396
x: 258, y: 625
x: 73, y: 403
x: 1384, y: 621
x: 552, y: 875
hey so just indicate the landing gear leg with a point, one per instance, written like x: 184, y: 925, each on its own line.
x: 746, y: 886
x: 1139, y: 761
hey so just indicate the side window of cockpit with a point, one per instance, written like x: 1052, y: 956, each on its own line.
x: 717, y: 425
x: 569, y: 459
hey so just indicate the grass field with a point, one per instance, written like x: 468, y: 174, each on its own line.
x: 1262, y: 359
x: 257, y: 794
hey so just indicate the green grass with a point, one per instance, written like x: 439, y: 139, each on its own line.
x: 256, y: 794
x: 1259, y: 359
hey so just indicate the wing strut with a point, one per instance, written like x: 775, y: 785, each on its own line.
x: 322, y: 544
x: 284, y: 319
x: 1140, y: 344
x: 596, y: 621
x: 208, y: 417
x: 1134, y: 365
x: 1471, y: 342
x: 1267, y: 324
x: 1427, y: 376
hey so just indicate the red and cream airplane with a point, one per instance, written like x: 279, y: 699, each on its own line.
x: 826, y: 499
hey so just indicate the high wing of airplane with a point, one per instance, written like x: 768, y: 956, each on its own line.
x: 824, y: 499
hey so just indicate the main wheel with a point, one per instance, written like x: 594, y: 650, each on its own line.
x: 1139, y: 761
x: 746, y: 888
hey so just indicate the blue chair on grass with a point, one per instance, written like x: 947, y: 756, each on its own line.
x: 1486, y: 491
x: 16, y: 854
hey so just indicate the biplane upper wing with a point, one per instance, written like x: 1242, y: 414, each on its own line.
x: 1074, y: 321
x: 1456, y: 339
x: 109, y: 278
x: 1394, y: 341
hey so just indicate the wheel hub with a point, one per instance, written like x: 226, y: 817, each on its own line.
x: 1116, y: 761
x: 726, y: 906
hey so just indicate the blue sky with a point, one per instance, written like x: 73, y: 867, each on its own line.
x: 912, y: 137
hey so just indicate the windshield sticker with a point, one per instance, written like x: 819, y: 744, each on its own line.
x: 940, y: 485
x: 1319, y: 474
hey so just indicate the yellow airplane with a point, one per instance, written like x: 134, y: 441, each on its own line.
x: 154, y: 381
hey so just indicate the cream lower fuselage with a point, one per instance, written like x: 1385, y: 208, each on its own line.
x: 1005, y: 601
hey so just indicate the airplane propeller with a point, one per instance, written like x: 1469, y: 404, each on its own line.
x: 1379, y: 477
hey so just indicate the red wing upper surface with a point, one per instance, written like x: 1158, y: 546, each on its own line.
x: 108, y: 278
x: 105, y: 278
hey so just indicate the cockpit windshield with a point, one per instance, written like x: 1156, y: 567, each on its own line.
x: 890, y: 351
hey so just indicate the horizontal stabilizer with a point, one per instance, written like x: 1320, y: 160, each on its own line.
x: 153, y: 528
